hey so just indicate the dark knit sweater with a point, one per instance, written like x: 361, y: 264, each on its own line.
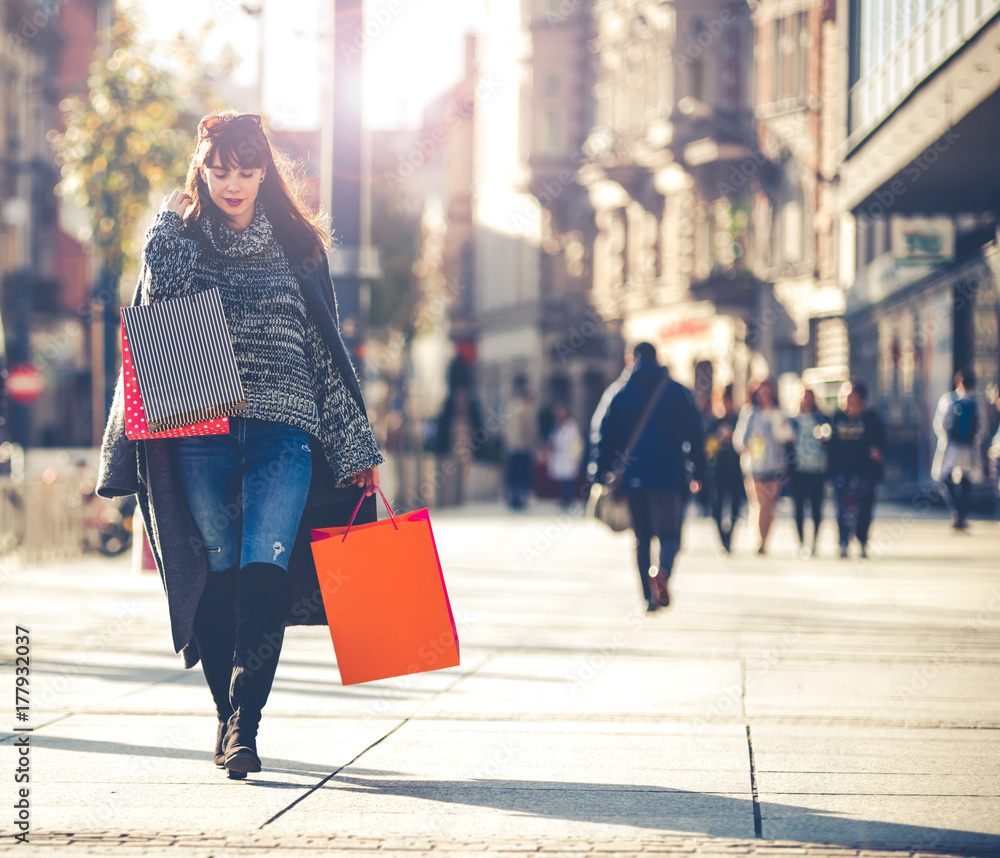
x: 269, y: 326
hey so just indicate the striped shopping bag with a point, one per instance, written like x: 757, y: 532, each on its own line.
x: 184, y: 367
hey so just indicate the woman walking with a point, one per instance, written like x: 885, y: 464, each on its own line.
x: 760, y: 435
x: 229, y: 515
x: 808, y: 467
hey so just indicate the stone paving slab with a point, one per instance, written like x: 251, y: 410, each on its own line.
x: 941, y: 757
x: 575, y: 725
x: 595, y: 684
x: 627, y: 755
x: 924, y: 823
x: 909, y: 691
x: 201, y: 844
x: 94, y: 771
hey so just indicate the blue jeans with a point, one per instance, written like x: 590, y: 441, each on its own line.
x: 855, y: 506
x: 246, y: 490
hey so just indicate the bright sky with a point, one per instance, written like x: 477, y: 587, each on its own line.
x: 414, y: 50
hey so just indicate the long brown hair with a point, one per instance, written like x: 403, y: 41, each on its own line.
x: 301, y: 233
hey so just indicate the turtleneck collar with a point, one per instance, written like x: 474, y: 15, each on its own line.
x: 227, y: 241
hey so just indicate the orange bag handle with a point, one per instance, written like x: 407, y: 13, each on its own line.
x: 355, y: 514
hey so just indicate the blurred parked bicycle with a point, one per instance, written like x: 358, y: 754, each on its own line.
x: 60, y: 514
x: 107, y: 524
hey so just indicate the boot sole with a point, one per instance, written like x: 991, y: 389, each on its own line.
x: 243, y: 761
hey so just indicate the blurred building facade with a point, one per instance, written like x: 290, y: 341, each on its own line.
x: 431, y: 397
x: 918, y: 191
x: 443, y: 348
x: 796, y: 105
x: 46, y: 270
x: 534, y: 227
x: 673, y: 171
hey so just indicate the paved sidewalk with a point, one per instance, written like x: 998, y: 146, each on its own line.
x: 779, y: 707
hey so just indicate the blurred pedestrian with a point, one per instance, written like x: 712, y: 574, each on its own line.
x: 565, y: 449
x: 761, y: 434
x: 653, y: 477
x: 855, y: 453
x: 725, y: 477
x: 229, y: 508
x: 994, y: 459
x: 960, y: 424
x: 808, y: 467
x: 703, y: 497
x: 521, y: 439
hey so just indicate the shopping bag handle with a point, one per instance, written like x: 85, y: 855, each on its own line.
x: 361, y: 501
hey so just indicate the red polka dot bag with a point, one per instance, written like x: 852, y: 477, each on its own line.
x: 178, y: 368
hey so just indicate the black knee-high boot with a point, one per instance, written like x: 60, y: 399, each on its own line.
x: 215, y: 635
x: 261, y: 590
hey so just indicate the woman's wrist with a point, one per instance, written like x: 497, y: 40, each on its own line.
x: 170, y: 219
x: 165, y: 223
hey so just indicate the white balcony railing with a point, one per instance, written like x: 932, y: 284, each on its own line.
x: 928, y: 45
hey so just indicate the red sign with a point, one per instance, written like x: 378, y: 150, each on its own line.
x: 685, y: 329
x: 25, y: 383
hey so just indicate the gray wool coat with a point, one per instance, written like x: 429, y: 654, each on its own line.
x: 148, y: 470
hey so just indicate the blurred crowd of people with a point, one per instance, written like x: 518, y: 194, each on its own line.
x: 649, y: 439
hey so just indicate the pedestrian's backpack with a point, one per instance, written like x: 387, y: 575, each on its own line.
x: 964, y: 421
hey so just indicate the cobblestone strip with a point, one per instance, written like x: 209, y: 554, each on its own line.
x: 198, y: 844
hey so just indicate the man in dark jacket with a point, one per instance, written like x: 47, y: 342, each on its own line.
x: 855, y: 453
x: 654, y: 476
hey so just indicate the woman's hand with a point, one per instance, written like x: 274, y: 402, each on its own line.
x: 367, y: 480
x: 177, y: 202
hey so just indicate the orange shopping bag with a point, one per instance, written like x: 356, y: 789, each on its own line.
x: 385, y: 597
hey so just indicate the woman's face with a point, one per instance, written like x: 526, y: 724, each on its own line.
x: 233, y: 191
x: 765, y: 394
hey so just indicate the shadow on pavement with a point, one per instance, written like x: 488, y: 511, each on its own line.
x: 676, y: 811
x: 273, y: 766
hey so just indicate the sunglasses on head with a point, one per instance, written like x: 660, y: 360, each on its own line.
x: 215, y: 123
